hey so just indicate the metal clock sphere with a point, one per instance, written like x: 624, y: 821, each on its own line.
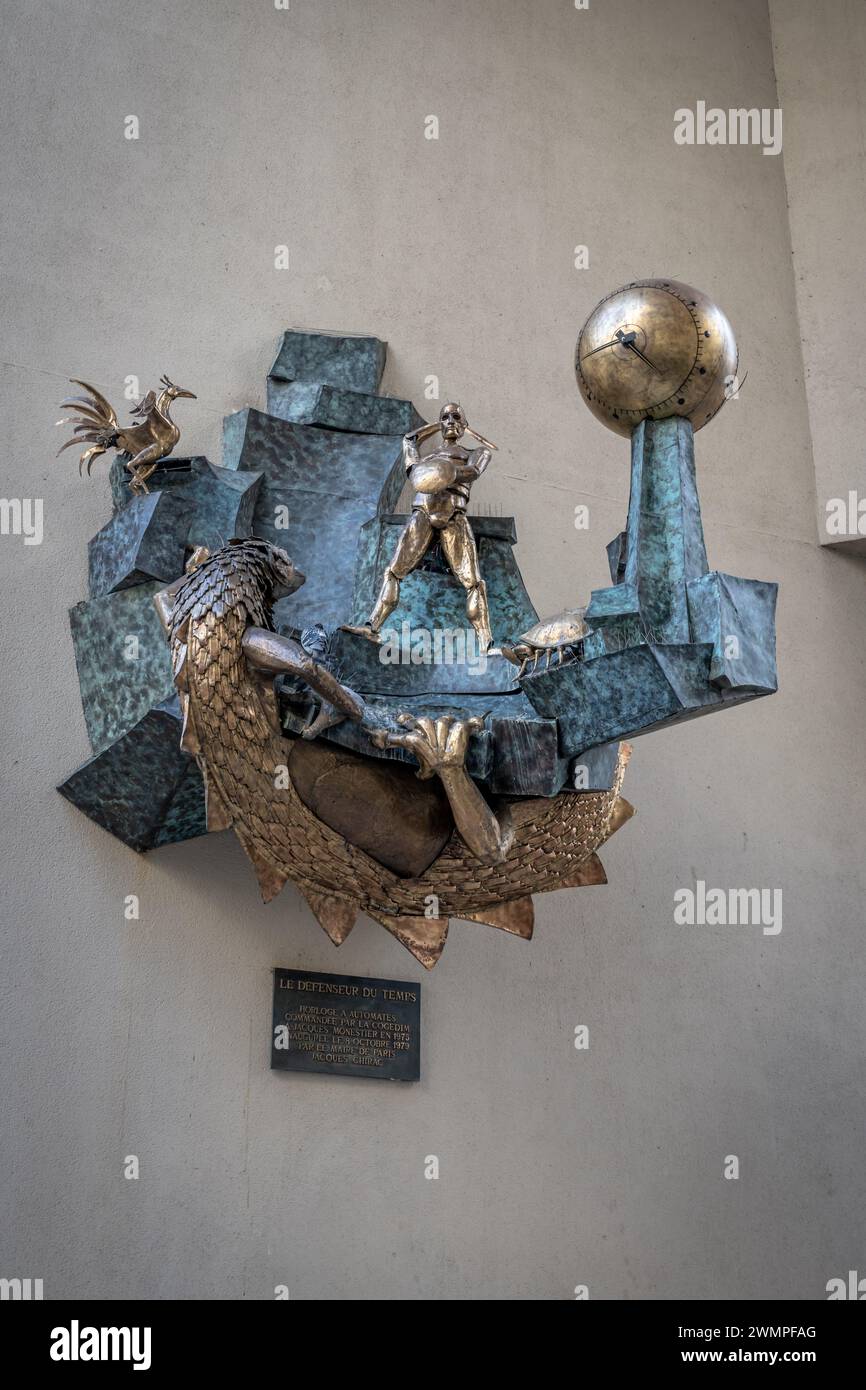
x: 653, y: 349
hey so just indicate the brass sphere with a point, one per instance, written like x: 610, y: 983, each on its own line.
x: 653, y: 349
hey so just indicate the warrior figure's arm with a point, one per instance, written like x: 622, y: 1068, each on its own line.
x: 411, y: 443
x: 475, y: 465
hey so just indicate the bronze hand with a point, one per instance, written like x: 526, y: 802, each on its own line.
x: 437, y: 743
x: 440, y: 746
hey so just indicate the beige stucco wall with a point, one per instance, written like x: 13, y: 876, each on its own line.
x: 819, y: 54
x: 557, y: 1168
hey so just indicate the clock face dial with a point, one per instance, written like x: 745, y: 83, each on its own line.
x: 653, y: 349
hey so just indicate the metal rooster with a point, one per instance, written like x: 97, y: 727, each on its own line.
x: 146, y: 442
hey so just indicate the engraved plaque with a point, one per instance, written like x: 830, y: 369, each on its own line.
x: 346, y: 1025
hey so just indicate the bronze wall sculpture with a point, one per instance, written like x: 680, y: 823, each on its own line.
x: 414, y: 790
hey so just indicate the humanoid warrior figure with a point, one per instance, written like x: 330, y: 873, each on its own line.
x: 442, y: 481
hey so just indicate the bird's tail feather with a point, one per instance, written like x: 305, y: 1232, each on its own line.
x: 94, y: 422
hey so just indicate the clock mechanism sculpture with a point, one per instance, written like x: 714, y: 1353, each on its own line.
x: 368, y: 698
x: 654, y: 349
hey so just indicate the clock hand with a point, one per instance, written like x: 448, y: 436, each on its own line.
x: 643, y: 357
x: 613, y: 342
x: 626, y: 340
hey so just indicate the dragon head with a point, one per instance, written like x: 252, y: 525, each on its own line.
x: 272, y: 564
x: 286, y: 577
x: 247, y: 572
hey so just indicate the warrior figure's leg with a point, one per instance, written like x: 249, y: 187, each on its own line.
x: 414, y: 541
x: 458, y: 545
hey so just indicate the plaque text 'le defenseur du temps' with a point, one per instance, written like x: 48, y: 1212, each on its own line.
x: 346, y: 1025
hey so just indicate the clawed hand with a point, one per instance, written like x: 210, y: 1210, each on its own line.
x: 438, y: 744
